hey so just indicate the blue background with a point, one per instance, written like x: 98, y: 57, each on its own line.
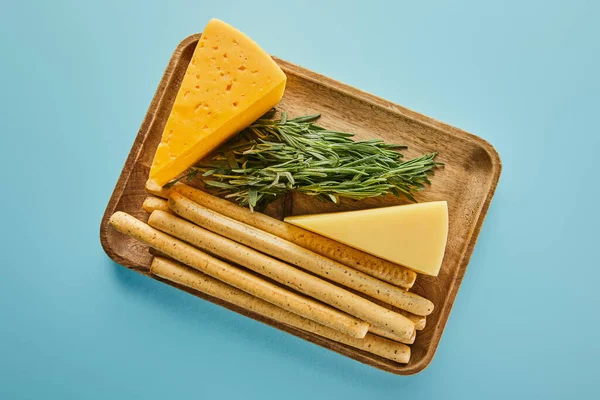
x: 76, y: 79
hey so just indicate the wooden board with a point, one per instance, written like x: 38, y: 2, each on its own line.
x: 467, y: 182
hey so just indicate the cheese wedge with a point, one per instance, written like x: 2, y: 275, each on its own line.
x: 412, y: 235
x: 229, y: 83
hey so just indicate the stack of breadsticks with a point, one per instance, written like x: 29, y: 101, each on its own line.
x: 289, y: 275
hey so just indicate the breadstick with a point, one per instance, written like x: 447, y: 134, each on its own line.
x: 243, y: 280
x: 152, y: 203
x: 353, y: 258
x: 298, y: 256
x: 157, y: 190
x: 283, y: 273
x: 387, y: 335
x: 419, y: 321
x: 196, y: 280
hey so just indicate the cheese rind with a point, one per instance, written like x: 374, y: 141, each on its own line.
x: 412, y: 235
x: 229, y: 83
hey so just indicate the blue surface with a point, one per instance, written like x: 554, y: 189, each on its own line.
x: 76, y: 81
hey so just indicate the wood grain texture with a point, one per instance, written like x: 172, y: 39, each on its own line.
x: 467, y: 182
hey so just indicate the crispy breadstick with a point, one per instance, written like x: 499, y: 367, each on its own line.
x: 298, y: 256
x: 419, y: 320
x: 196, y: 280
x: 243, y: 280
x: 283, y: 273
x: 382, y: 269
x: 152, y: 203
x: 383, y: 333
x: 160, y: 204
x: 157, y: 190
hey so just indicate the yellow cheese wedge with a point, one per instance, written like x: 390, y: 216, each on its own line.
x: 230, y: 82
x: 412, y: 235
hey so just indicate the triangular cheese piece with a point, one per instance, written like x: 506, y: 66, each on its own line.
x: 229, y: 83
x: 412, y: 235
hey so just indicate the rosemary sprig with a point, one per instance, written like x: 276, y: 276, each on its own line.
x: 274, y: 157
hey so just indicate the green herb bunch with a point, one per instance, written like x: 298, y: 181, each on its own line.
x: 274, y: 157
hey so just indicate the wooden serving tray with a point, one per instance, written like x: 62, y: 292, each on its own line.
x: 467, y: 182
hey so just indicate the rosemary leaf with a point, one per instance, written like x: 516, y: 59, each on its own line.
x: 273, y: 157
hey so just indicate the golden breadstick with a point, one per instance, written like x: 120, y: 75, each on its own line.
x: 193, y: 279
x: 283, y: 273
x: 419, y: 321
x: 157, y: 190
x: 383, y: 333
x: 152, y: 203
x: 382, y: 269
x: 243, y: 280
x: 298, y: 256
